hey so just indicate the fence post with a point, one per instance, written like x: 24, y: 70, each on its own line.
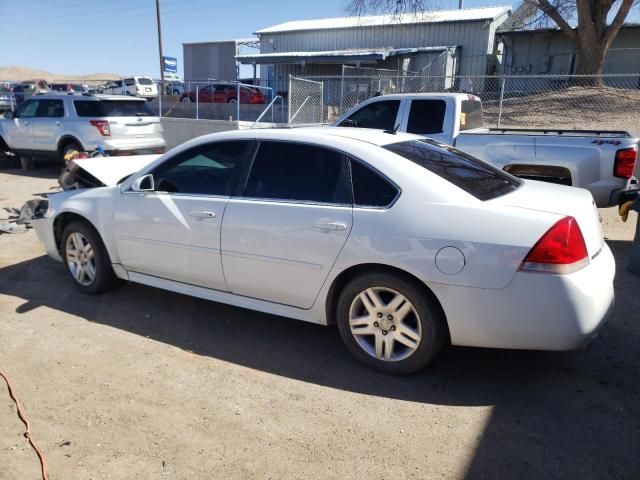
x: 502, y: 80
x: 160, y: 102
x: 342, y: 92
x: 197, y: 102
x: 289, y: 100
x: 238, y: 103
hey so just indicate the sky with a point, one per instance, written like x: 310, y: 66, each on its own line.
x: 120, y: 36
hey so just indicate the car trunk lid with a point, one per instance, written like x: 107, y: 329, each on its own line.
x: 566, y: 201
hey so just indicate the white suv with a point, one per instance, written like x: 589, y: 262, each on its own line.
x: 138, y: 86
x: 49, y: 125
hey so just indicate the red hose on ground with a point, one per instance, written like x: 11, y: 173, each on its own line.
x: 27, y: 434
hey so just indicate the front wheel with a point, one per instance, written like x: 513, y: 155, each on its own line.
x: 186, y: 100
x: 389, y: 324
x: 232, y: 100
x: 87, y: 259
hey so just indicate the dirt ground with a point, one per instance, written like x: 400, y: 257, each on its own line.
x: 140, y: 383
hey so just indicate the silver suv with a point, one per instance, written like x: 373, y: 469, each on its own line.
x: 49, y: 125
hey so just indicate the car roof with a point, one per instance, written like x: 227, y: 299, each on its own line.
x: 374, y: 137
x: 87, y: 96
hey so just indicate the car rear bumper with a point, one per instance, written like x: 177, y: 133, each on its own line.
x: 138, y: 146
x: 535, y: 311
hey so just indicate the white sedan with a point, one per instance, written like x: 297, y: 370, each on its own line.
x: 404, y: 243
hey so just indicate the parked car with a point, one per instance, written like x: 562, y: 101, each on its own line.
x: 143, y: 87
x: 224, y: 93
x: 52, y: 124
x: 401, y: 241
x: 603, y: 162
x: 174, y: 87
x: 68, y: 87
x: 6, y: 100
x: 26, y: 90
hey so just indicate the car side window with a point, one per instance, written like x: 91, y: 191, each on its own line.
x: 50, y: 109
x: 299, y: 172
x: 211, y: 169
x: 426, y: 116
x: 28, y: 109
x: 381, y: 115
x: 129, y: 81
x: 370, y: 188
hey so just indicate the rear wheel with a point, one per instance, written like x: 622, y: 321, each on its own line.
x: 186, y: 100
x: 389, y: 324
x: 87, y: 259
x: 232, y: 100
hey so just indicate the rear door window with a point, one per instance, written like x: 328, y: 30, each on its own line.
x: 472, y: 175
x: 113, y: 108
x: 470, y: 114
x: 381, y: 115
x: 50, y: 109
x: 145, y: 81
x: 426, y: 116
x: 299, y: 172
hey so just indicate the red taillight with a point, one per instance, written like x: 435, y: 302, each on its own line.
x: 625, y: 162
x: 102, y: 126
x: 560, y: 250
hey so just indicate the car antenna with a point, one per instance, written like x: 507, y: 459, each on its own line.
x: 393, y: 132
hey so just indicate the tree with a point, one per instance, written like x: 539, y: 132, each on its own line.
x: 597, y: 22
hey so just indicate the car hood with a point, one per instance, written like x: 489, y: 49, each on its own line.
x: 102, y: 171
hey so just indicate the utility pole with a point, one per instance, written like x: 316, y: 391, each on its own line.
x: 460, y: 4
x: 160, y: 47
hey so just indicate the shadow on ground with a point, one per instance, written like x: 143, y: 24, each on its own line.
x: 556, y: 415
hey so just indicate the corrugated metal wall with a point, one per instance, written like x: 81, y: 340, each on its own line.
x: 475, y: 39
x: 209, y: 60
x: 551, y: 52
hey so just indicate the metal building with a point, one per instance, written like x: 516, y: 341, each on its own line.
x: 549, y: 51
x: 213, y: 60
x: 429, y: 43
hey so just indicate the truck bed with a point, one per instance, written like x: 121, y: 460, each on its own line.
x: 550, y: 132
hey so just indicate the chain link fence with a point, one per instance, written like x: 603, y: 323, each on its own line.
x: 607, y: 102
x: 306, y: 101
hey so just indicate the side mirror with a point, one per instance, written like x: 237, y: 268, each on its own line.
x: 143, y: 184
x: 9, y: 115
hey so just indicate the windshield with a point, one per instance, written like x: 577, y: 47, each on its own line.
x: 472, y: 175
x: 113, y: 108
x: 145, y: 81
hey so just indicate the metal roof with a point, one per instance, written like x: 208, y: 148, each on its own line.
x: 339, y: 56
x: 463, y: 15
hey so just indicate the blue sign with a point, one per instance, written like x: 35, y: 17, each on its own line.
x: 170, y: 64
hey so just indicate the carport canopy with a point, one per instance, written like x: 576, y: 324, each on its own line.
x: 335, y: 56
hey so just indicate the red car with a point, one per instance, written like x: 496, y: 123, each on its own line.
x: 224, y: 93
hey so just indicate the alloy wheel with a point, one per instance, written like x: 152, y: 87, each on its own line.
x: 80, y: 259
x: 385, y: 324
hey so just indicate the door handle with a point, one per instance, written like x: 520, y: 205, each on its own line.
x: 330, y: 225
x: 202, y: 214
x: 26, y: 124
x: 58, y: 123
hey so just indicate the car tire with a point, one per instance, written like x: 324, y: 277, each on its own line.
x: 232, y: 100
x: 400, y: 328
x: 186, y: 100
x: 68, y: 148
x: 90, y: 268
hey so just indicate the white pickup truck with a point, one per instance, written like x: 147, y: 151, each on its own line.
x: 603, y: 162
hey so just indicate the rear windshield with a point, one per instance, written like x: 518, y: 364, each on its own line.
x: 145, y: 81
x: 113, y: 108
x: 472, y: 175
x: 470, y: 115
